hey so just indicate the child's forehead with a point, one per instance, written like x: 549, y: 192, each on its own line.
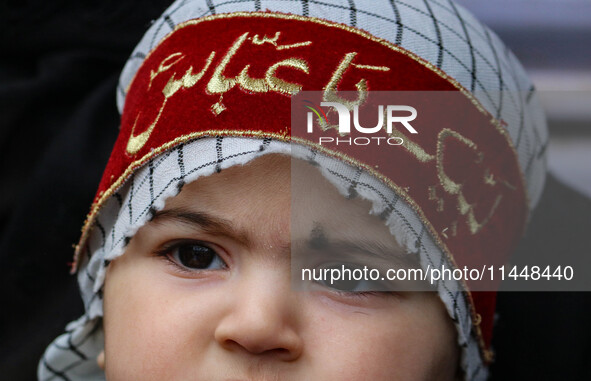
x: 269, y: 175
x: 272, y: 178
x: 272, y: 174
x: 279, y: 192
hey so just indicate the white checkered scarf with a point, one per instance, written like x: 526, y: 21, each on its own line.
x: 439, y: 31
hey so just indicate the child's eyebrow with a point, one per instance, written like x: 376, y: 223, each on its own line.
x: 201, y: 220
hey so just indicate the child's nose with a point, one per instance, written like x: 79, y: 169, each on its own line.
x: 263, y: 318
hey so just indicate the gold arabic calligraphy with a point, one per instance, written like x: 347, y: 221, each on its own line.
x: 219, y: 84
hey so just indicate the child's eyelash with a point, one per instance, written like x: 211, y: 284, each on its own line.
x: 166, y: 248
x: 163, y: 253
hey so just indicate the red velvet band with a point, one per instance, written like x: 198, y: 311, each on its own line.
x: 235, y: 75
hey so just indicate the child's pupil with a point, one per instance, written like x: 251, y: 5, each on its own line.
x: 196, y: 256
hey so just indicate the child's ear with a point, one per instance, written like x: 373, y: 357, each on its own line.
x: 100, y: 360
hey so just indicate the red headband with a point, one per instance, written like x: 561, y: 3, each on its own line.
x: 235, y: 74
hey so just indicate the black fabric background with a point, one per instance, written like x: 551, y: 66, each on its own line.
x: 59, y: 64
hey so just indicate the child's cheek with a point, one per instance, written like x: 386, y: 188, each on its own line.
x: 152, y: 321
x: 392, y: 342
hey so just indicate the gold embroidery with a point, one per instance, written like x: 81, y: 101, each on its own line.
x: 190, y: 80
x: 273, y: 41
x: 489, y: 178
x: 371, y: 67
x: 256, y: 40
x: 480, y: 158
x: 336, y: 77
x: 251, y: 84
x: 164, y: 66
x: 510, y: 186
x: 218, y: 83
x: 135, y: 143
x: 296, y: 45
x: 327, y: 126
x: 218, y: 107
x: 432, y: 192
x: 331, y: 87
x: 476, y: 226
x: 413, y: 148
x: 450, y: 186
x: 433, y: 197
x: 281, y: 85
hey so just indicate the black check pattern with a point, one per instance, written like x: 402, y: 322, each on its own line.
x: 436, y: 30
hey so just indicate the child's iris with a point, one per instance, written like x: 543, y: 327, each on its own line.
x: 195, y: 256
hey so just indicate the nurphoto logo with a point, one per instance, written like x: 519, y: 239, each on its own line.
x: 401, y: 114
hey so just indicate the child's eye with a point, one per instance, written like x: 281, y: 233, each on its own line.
x: 193, y: 256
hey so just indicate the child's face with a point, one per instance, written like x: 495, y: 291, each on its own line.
x: 203, y: 291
